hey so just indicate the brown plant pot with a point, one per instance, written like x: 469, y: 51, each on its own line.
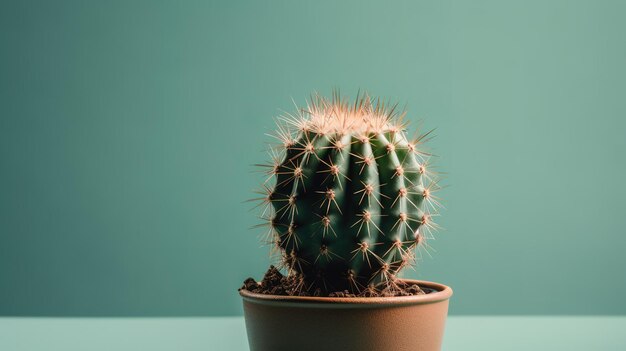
x: 416, y: 323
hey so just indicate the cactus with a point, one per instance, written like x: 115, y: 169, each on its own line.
x: 348, y: 196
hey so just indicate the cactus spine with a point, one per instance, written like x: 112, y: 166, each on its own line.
x: 349, y: 197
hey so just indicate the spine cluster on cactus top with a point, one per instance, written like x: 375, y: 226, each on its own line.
x: 348, y: 196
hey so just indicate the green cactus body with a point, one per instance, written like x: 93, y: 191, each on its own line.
x: 350, y: 200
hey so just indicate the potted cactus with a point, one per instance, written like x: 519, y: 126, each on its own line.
x: 348, y: 202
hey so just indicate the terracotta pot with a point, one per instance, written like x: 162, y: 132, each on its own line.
x: 416, y: 323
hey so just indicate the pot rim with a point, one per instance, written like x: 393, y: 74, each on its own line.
x: 442, y: 293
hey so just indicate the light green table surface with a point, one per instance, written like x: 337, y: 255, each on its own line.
x: 228, y: 333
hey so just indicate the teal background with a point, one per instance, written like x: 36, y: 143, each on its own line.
x: 128, y: 131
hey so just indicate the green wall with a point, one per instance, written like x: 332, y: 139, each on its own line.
x: 128, y: 131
